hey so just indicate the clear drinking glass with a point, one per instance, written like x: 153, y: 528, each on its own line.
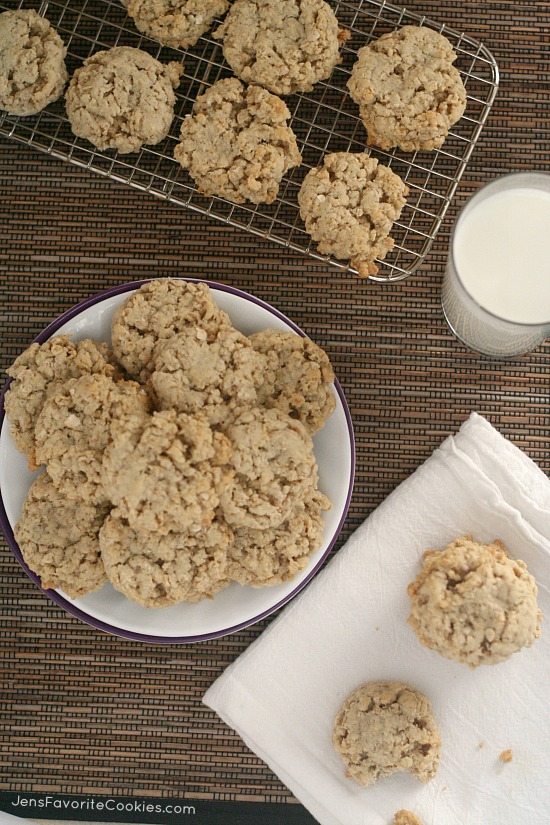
x: 512, y: 317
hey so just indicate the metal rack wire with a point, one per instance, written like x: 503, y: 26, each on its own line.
x: 325, y: 120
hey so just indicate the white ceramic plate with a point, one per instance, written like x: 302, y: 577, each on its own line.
x: 236, y: 606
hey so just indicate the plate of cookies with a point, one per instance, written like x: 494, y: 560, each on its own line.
x: 176, y: 460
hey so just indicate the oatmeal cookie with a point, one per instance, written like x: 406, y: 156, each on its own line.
x: 175, y: 23
x: 157, y: 311
x: 404, y: 817
x: 167, y: 475
x: 32, y: 63
x: 473, y: 604
x: 297, y: 379
x: 274, y: 469
x: 285, y: 45
x: 385, y: 727
x: 262, y: 558
x: 161, y: 570
x: 59, y: 539
x: 76, y: 425
x: 214, y: 378
x: 349, y: 205
x: 237, y: 143
x: 42, y: 370
x: 408, y: 91
x: 122, y: 98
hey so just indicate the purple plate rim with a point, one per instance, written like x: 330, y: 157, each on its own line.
x: 98, y: 624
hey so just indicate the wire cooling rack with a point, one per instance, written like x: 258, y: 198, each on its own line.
x: 325, y: 120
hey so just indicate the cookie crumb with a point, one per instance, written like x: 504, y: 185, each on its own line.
x: 481, y: 745
x: 506, y: 756
x: 404, y: 817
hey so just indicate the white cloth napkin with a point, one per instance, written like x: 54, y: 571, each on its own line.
x: 349, y: 627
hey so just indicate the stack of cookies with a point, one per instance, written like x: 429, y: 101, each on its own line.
x: 178, y: 461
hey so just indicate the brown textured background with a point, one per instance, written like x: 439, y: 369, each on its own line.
x: 84, y: 712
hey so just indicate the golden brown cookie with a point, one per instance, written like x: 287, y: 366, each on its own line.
x: 473, y: 604
x: 237, y: 143
x: 298, y: 378
x: 75, y: 426
x: 32, y: 63
x: 157, y: 311
x: 59, y: 539
x: 42, y: 370
x: 285, y: 45
x: 167, y: 474
x: 349, y: 205
x: 160, y: 570
x: 216, y: 378
x: 386, y: 727
x: 408, y: 91
x: 175, y: 23
x: 262, y: 558
x: 274, y: 469
x: 122, y: 98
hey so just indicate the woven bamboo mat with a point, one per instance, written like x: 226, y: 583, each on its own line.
x: 89, y: 713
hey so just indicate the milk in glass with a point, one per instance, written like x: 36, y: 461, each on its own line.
x: 496, y: 292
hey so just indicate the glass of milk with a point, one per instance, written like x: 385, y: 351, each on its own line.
x: 496, y: 289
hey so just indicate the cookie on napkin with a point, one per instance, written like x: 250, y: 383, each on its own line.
x: 349, y: 627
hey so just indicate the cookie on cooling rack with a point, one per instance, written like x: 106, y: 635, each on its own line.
x: 349, y: 205
x: 32, y: 63
x: 237, y: 143
x: 122, y: 98
x: 408, y: 91
x: 59, y: 539
x: 175, y: 23
x: 285, y: 45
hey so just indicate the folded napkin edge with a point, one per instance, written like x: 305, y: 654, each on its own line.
x: 316, y: 808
